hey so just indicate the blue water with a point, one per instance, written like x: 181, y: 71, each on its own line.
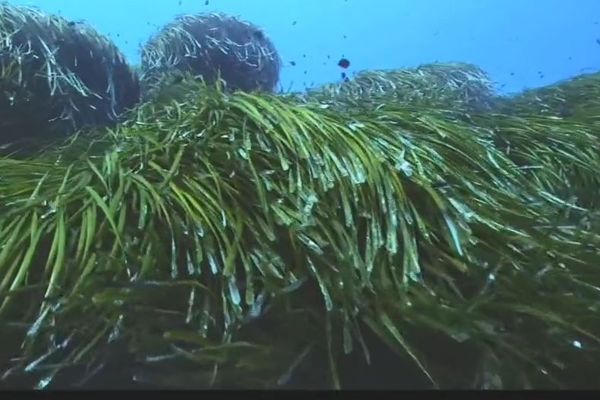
x: 520, y: 43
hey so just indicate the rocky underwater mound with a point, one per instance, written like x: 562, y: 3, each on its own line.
x: 406, y: 229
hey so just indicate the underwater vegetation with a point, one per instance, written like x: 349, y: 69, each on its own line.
x: 463, y: 86
x: 573, y: 99
x: 212, y: 46
x: 405, y: 229
x: 552, y: 132
x: 58, y: 76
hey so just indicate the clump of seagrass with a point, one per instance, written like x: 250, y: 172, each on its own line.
x: 58, y: 76
x: 242, y: 240
x: 551, y: 132
x: 574, y: 99
x: 447, y: 86
x: 212, y: 46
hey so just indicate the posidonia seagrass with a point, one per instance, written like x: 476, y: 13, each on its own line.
x: 246, y: 240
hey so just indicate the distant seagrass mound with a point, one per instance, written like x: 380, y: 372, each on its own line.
x: 575, y: 99
x: 58, y: 76
x: 212, y: 46
x: 448, y: 85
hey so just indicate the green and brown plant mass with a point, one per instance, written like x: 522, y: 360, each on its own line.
x: 213, y: 47
x: 57, y: 77
x: 236, y: 240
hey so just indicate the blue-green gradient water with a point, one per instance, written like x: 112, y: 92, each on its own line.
x: 520, y: 43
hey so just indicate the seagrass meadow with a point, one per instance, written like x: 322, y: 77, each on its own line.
x: 407, y: 229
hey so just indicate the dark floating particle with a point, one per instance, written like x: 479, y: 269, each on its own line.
x: 345, y: 77
x: 206, y: 2
x: 598, y: 41
x: 259, y: 35
x: 293, y: 63
x: 512, y: 74
x: 344, y: 63
x: 294, y: 23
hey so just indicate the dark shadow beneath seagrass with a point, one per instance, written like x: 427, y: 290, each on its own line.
x: 387, y: 371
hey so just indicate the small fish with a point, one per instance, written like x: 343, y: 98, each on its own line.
x: 344, y: 63
x: 73, y: 23
x: 345, y: 77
